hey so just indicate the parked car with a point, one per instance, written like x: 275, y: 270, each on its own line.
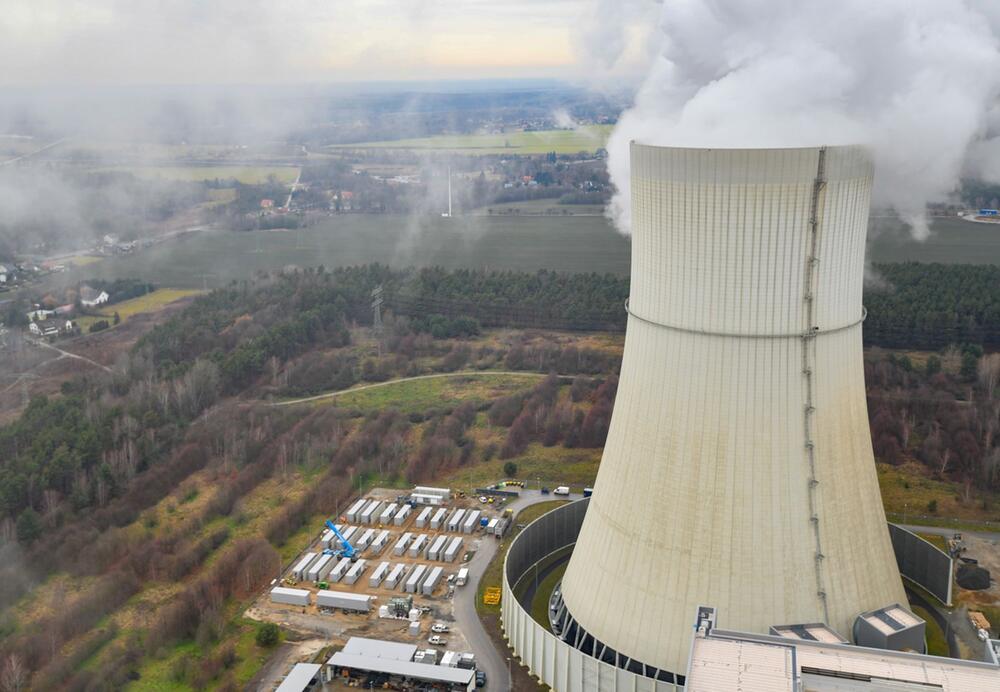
x: 480, y: 678
x: 440, y: 628
x: 482, y: 499
x: 437, y: 641
x: 545, y: 491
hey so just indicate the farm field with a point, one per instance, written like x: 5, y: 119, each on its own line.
x: 526, y: 243
x: 588, y: 138
x: 250, y: 175
x: 135, y: 306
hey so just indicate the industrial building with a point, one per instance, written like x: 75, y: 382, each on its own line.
x: 397, y: 662
x: 740, y: 413
x: 728, y: 660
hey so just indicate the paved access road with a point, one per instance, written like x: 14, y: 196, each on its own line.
x: 493, y: 662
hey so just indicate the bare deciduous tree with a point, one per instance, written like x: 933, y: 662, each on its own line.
x: 14, y: 674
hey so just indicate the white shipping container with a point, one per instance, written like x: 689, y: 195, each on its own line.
x: 414, y: 579
x: 313, y: 573
x: 428, y: 490
x: 355, y: 572
x: 370, y: 513
x: 435, y: 548
x: 401, y: 544
x: 402, y: 514
x: 423, y: 517
x: 453, y: 550
x: 387, y: 514
x: 344, y: 600
x: 396, y: 575
x: 438, y: 518
x: 365, y: 540
x: 299, y: 571
x: 413, y: 629
x: 338, y: 572
x: 421, y: 499
x: 471, y: 522
x: 380, y: 541
x: 418, y: 544
x: 455, y: 520
x: 491, y: 527
x: 355, y: 511
x: 378, y: 575
x: 348, y: 533
x: 327, y: 539
x: 281, y: 594
x: 431, y: 582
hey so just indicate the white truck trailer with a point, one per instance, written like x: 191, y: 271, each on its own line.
x: 353, y: 602
x: 431, y: 582
x: 413, y: 581
x: 297, y: 597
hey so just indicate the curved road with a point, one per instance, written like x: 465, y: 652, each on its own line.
x: 352, y: 390
x: 488, y: 658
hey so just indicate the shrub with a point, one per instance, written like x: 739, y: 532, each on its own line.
x: 268, y: 634
x: 510, y: 469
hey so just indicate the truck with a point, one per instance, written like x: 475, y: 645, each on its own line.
x: 437, y: 640
x: 463, y: 577
x: 561, y: 490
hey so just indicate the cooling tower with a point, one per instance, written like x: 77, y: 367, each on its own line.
x: 738, y: 469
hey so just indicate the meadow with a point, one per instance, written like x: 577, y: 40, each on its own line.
x: 249, y: 175
x: 588, y: 138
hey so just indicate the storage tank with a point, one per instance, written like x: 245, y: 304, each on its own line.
x: 740, y: 410
x: 297, y: 597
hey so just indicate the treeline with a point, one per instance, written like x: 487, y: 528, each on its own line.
x: 120, y: 290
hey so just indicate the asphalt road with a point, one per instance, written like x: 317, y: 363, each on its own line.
x: 493, y: 662
x: 949, y: 532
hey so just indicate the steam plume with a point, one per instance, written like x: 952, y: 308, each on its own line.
x: 915, y: 80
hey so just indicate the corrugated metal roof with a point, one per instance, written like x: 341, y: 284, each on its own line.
x: 717, y: 665
x: 418, y: 671
x: 299, y: 678
x: 379, y: 648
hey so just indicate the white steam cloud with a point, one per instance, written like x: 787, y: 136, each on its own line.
x: 915, y: 80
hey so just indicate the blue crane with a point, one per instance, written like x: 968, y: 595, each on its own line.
x: 347, y: 550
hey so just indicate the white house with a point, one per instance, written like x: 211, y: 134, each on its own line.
x: 91, y: 297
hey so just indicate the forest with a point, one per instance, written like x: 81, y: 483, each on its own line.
x: 84, y: 471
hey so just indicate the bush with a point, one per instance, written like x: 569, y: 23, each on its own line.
x: 99, y: 326
x: 932, y: 506
x: 510, y: 469
x: 268, y: 634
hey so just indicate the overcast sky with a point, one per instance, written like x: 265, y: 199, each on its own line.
x: 111, y: 42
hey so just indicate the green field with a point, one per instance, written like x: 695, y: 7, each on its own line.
x: 529, y: 243
x: 249, y: 175
x: 588, y: 138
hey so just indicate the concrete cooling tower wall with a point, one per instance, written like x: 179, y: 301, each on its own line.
x: 738, y: 470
